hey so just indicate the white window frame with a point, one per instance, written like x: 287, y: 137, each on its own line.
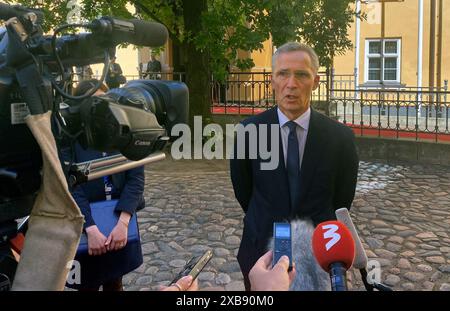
x: 386, y: 55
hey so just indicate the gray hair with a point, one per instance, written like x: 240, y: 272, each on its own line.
x: 294, y: 47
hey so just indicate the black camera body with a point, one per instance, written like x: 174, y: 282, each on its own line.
x: 134, y: 120
x: 35, y: 77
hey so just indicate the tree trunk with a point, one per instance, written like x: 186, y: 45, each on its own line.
x: 178, y: 58
x: 197, y: 62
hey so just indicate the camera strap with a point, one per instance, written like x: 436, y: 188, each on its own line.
x: 35, y: 91
x: 55, y: 224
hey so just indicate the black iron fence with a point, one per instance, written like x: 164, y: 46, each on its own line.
x: 243, y: 89
x: 248, y: 91
x: 175, y: 76
x: 422, y: 115
x: 404, y: 112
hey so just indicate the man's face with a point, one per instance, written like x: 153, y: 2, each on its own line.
x: 293, y: 81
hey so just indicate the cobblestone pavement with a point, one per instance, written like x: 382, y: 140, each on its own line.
x: 402, y: 213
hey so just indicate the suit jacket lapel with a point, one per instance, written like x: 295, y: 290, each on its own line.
x: 311, y: 153
x: 280, y: 174
x: 281, y: 165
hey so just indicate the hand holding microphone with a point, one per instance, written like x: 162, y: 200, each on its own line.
x: 334, y: 249
x: 265, y: 278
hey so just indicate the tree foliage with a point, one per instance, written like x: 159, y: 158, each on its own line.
x: 216, y: 30
x: 231, y: 25
x: 55, y: 11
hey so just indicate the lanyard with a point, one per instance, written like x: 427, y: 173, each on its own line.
x: 108, y: 184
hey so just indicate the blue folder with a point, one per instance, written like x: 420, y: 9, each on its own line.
x: 106, y: 219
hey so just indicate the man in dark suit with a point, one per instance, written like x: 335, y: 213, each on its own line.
x: 114, y: 78
x: 154, y: 68
x: 318, y: 164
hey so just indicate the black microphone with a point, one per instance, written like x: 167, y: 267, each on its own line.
x: 133, y: 31
x: 310, y: 276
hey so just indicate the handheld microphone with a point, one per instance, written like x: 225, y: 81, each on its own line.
x: 361, y: 259
x: 310, y: 276
x: 133, y: 31
x: 334, y: 249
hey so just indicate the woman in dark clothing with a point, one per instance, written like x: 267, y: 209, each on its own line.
x: 109, y: 257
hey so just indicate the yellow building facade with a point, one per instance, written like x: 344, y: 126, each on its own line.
x: 400, y: 56
x: 393, y: 63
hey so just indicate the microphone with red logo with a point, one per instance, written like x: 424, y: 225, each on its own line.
x: 334, y: 249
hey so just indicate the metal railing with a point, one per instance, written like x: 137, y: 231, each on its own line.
x: 399, y: 112
x: 243, y: 89
x: 408, y: 112
x: 250, y: 92
x: 173, y: 76
x: 394, y: 113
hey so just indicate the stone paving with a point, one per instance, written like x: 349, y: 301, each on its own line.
x: 402, y: 213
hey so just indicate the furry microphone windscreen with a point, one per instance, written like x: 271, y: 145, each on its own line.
x: 310, y: 276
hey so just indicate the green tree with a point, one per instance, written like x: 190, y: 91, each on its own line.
x: 323, y: 24
x: 209, y: 34
x: 56, y: 11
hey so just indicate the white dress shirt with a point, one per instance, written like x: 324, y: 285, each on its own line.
x: 302, y: 132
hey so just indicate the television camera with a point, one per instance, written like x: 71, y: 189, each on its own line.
x: 36, y: 76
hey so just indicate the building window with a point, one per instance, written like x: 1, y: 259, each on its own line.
x: 383, y: 66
